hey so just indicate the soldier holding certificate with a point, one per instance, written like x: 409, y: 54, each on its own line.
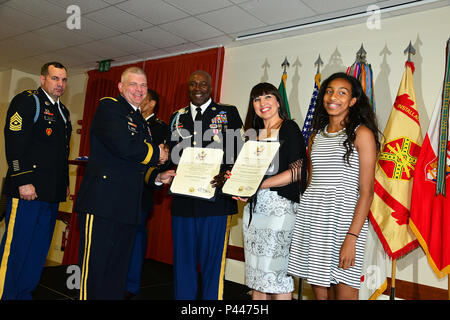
x: 200, y: 227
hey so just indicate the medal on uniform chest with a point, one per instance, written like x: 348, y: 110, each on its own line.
x: 48, y: 131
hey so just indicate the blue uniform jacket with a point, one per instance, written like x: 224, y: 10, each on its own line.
x: 216, y: 119
x: 37, y: 152
x: 120, y: 155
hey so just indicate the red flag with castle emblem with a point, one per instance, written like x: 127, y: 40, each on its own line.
x: 389, y: 213
x: 430, y: 204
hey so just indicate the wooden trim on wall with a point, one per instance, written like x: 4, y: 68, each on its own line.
x: 415, y: 291
x: 403, y: 289
x: 64, y: 217
x: 235, y: 253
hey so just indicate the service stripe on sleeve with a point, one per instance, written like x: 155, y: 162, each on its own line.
x: 18, y: 174
x: 147, y: 175
x: 149, y: 153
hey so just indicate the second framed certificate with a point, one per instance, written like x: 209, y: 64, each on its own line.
x: 250, y: 167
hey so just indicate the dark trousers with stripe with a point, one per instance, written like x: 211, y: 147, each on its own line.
x: 29, y: 227
x: 137, y: 257
x: 105, y: 251
x: 199, y: 241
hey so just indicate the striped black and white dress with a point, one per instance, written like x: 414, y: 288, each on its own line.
x: 324, y: 216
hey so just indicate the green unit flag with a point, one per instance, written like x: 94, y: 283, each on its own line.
x: 282, y: 89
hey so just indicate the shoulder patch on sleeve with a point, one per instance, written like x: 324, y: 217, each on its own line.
x: 111, y: 98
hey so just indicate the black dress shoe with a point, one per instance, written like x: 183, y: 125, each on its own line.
x: 129, y: 295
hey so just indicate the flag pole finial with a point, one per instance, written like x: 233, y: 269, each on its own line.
x: 285, y: 65
x: 409, y: 50
x: 361, y: 54
x: 318, y: 63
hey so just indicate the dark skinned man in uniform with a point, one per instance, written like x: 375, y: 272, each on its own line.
x: 160, y: 134
x: 200, y: 228
x: 37, y: 135
x: 109, y: 199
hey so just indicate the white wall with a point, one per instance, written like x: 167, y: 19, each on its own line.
x: 73, y: 99
x: 428, y: 31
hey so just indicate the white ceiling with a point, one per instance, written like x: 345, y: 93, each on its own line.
x: 33, y: 32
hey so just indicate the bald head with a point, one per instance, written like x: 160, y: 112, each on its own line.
x: 203, y: 73
x: 199, y: 87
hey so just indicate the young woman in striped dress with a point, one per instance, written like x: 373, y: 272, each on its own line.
x: 329, y: 236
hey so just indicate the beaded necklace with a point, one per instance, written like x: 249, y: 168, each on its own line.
x: 327, y: 134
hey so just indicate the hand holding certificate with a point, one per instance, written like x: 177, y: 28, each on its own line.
x: 195, y: 171
x: 250, y: 167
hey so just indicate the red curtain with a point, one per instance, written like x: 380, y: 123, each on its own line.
x: 168, y: 77
x: 100, y: 84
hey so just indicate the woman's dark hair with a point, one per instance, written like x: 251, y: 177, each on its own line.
x: 252, y: 121
x: 361, y: 113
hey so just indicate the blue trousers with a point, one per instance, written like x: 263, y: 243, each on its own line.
x: 29, y: 227
x: 105, y: 251
x: 137, y: 257
x: 199, y: 241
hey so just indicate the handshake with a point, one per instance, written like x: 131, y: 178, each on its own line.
x: 165, y: 176
x: 163, y: 153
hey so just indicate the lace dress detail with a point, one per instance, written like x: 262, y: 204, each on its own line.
x: 267, y: 241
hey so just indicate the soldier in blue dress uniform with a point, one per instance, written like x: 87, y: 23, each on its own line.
x: 200, y: 227
x: 37, y: 135
x: 109, y: 199
x: 159, y: 134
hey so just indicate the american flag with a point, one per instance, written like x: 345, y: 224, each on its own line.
x: 306, y: 131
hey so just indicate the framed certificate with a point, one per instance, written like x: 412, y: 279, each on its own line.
x: 195, y: 171
x: 250, y: 167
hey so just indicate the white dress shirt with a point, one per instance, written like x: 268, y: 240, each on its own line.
x: 203, y: 107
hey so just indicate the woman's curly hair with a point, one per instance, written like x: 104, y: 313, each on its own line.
x: 361, y: 113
